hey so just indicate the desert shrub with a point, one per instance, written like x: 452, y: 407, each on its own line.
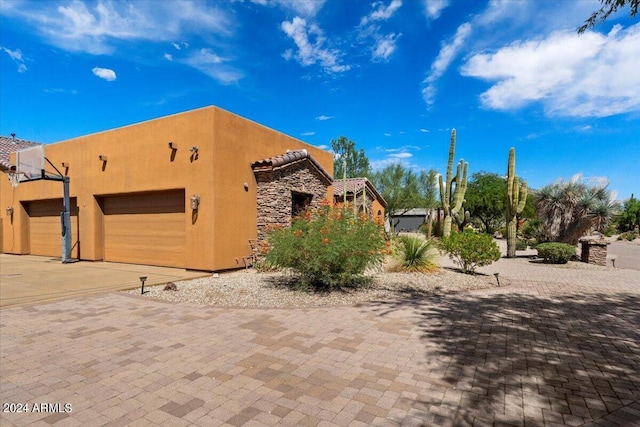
x: 521, y: 245
x: 629, y: 235
x: 416, y: 254
x: 328, y: 247
x: 471, y: 250
x: 556, y: 253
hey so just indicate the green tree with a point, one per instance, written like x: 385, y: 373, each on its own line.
x: 429, y: 182
x: 357, y: 162
x: 568, y: 210
x: 629, y: 217
x: 485, y: 199
x: 400, y: 187
x: 608, y: 7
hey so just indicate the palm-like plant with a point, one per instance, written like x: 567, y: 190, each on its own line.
x: 568, y: 210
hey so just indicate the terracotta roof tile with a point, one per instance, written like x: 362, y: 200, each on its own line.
x: 9, y: 145
x: 355, y: 185
x: 286, y: 159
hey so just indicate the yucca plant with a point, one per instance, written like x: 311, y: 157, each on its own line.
x: 416, y: 255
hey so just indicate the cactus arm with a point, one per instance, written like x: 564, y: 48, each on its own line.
x: 523, y: 198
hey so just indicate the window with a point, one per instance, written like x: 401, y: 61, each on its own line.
x: 299, y: 201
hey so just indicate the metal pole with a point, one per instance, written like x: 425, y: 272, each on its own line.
x: 65, y: 217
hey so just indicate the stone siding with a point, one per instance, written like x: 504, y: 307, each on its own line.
x: 594, y: 251
x: 275, y: 189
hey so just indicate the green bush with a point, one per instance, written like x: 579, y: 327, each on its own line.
x: 328, y: 247
x: 416, y: 254
x: 471, y: 250
x: 556, y: 253
x: 521, y: 245
x: 628, y: 235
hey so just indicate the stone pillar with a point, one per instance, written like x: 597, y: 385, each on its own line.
x: 594, y: 250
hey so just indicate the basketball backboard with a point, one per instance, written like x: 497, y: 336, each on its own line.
x: 30, y: 162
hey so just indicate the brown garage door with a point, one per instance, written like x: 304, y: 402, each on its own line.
x: 145, y: 228
x: 45, y: 229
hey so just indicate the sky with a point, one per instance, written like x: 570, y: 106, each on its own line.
x: 395, y: 76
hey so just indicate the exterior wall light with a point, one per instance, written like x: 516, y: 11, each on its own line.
x: 195, y: 202
x: 10, y: 211
x: 173, y: 145
x: 194, y: 149
x: 102, y: 158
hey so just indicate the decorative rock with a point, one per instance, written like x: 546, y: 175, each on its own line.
x: 171, y: 287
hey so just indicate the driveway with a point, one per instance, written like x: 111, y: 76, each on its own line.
x: 558, y: 346
x: 27, y: 279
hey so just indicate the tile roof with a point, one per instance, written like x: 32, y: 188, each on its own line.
x: 9, y: 145
x: 355, y: 185
x: 286, y: 159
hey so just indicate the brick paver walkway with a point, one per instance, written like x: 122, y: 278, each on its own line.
x: 556, y: 347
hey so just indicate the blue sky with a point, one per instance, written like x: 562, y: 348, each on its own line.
x: 393, y: 75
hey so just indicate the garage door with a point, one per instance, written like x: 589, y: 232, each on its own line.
x: 45, y: 229
x: 145, y: 228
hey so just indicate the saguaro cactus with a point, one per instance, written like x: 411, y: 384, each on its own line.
x: 516, y: 199
x: 452, y: 198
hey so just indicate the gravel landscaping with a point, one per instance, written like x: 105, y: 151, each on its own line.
x: 253, y: 289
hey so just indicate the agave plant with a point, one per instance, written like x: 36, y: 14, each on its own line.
x: 570, y: 209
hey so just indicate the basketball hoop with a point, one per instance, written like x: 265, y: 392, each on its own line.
x: 14, y: 178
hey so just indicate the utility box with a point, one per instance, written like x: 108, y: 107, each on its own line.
x: 594, y: 250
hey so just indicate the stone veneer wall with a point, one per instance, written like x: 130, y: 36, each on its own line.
x: 594, y: 252
x: 275, y: 188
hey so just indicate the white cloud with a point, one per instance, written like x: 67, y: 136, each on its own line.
x: 433, y: 8
x: 424, y: 130
x: 323, y: 117
x: 308, y: 8
x: 447, y: 53
x: 387, y: 134
x: 589, y: 75
x: 75, y: 26
x: 16, y: 56
x: 381, y: 12
x: 401, y: 155
x: 308, y: 133
x: 104, y: 73
x: 216, y: 67
x: 310, y: 40
x: 384, y: 47
x: 168, y: 57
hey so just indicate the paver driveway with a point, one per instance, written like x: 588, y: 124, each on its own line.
x: 556, y: 347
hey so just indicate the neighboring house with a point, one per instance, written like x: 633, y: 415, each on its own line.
x: 191, y: 190
x: 363, y: 192
x: 11, y: 144
x: 410, y: 220
x: 8, y: 145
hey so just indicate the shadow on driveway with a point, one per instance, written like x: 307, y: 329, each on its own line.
x: 528, y: 359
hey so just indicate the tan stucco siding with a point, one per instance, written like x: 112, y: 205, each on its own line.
x: 139, y: 159
x: 241, y: 142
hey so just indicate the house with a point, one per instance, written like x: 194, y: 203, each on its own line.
x: 191, y: 190
x: 410, y: 220
x: 361, y: 192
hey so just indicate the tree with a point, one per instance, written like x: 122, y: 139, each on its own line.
x: 429, y: 183
x: 357, y: 162
x: 608, y: 7
x: 568, y: 210
x: 401, y: 189
x: 485, y: 199
x: 629, y: 217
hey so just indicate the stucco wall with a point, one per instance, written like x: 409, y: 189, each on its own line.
x: 139, y: 159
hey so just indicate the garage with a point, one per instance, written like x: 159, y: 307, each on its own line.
x: 145, y: 228
x: 45, y: 228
